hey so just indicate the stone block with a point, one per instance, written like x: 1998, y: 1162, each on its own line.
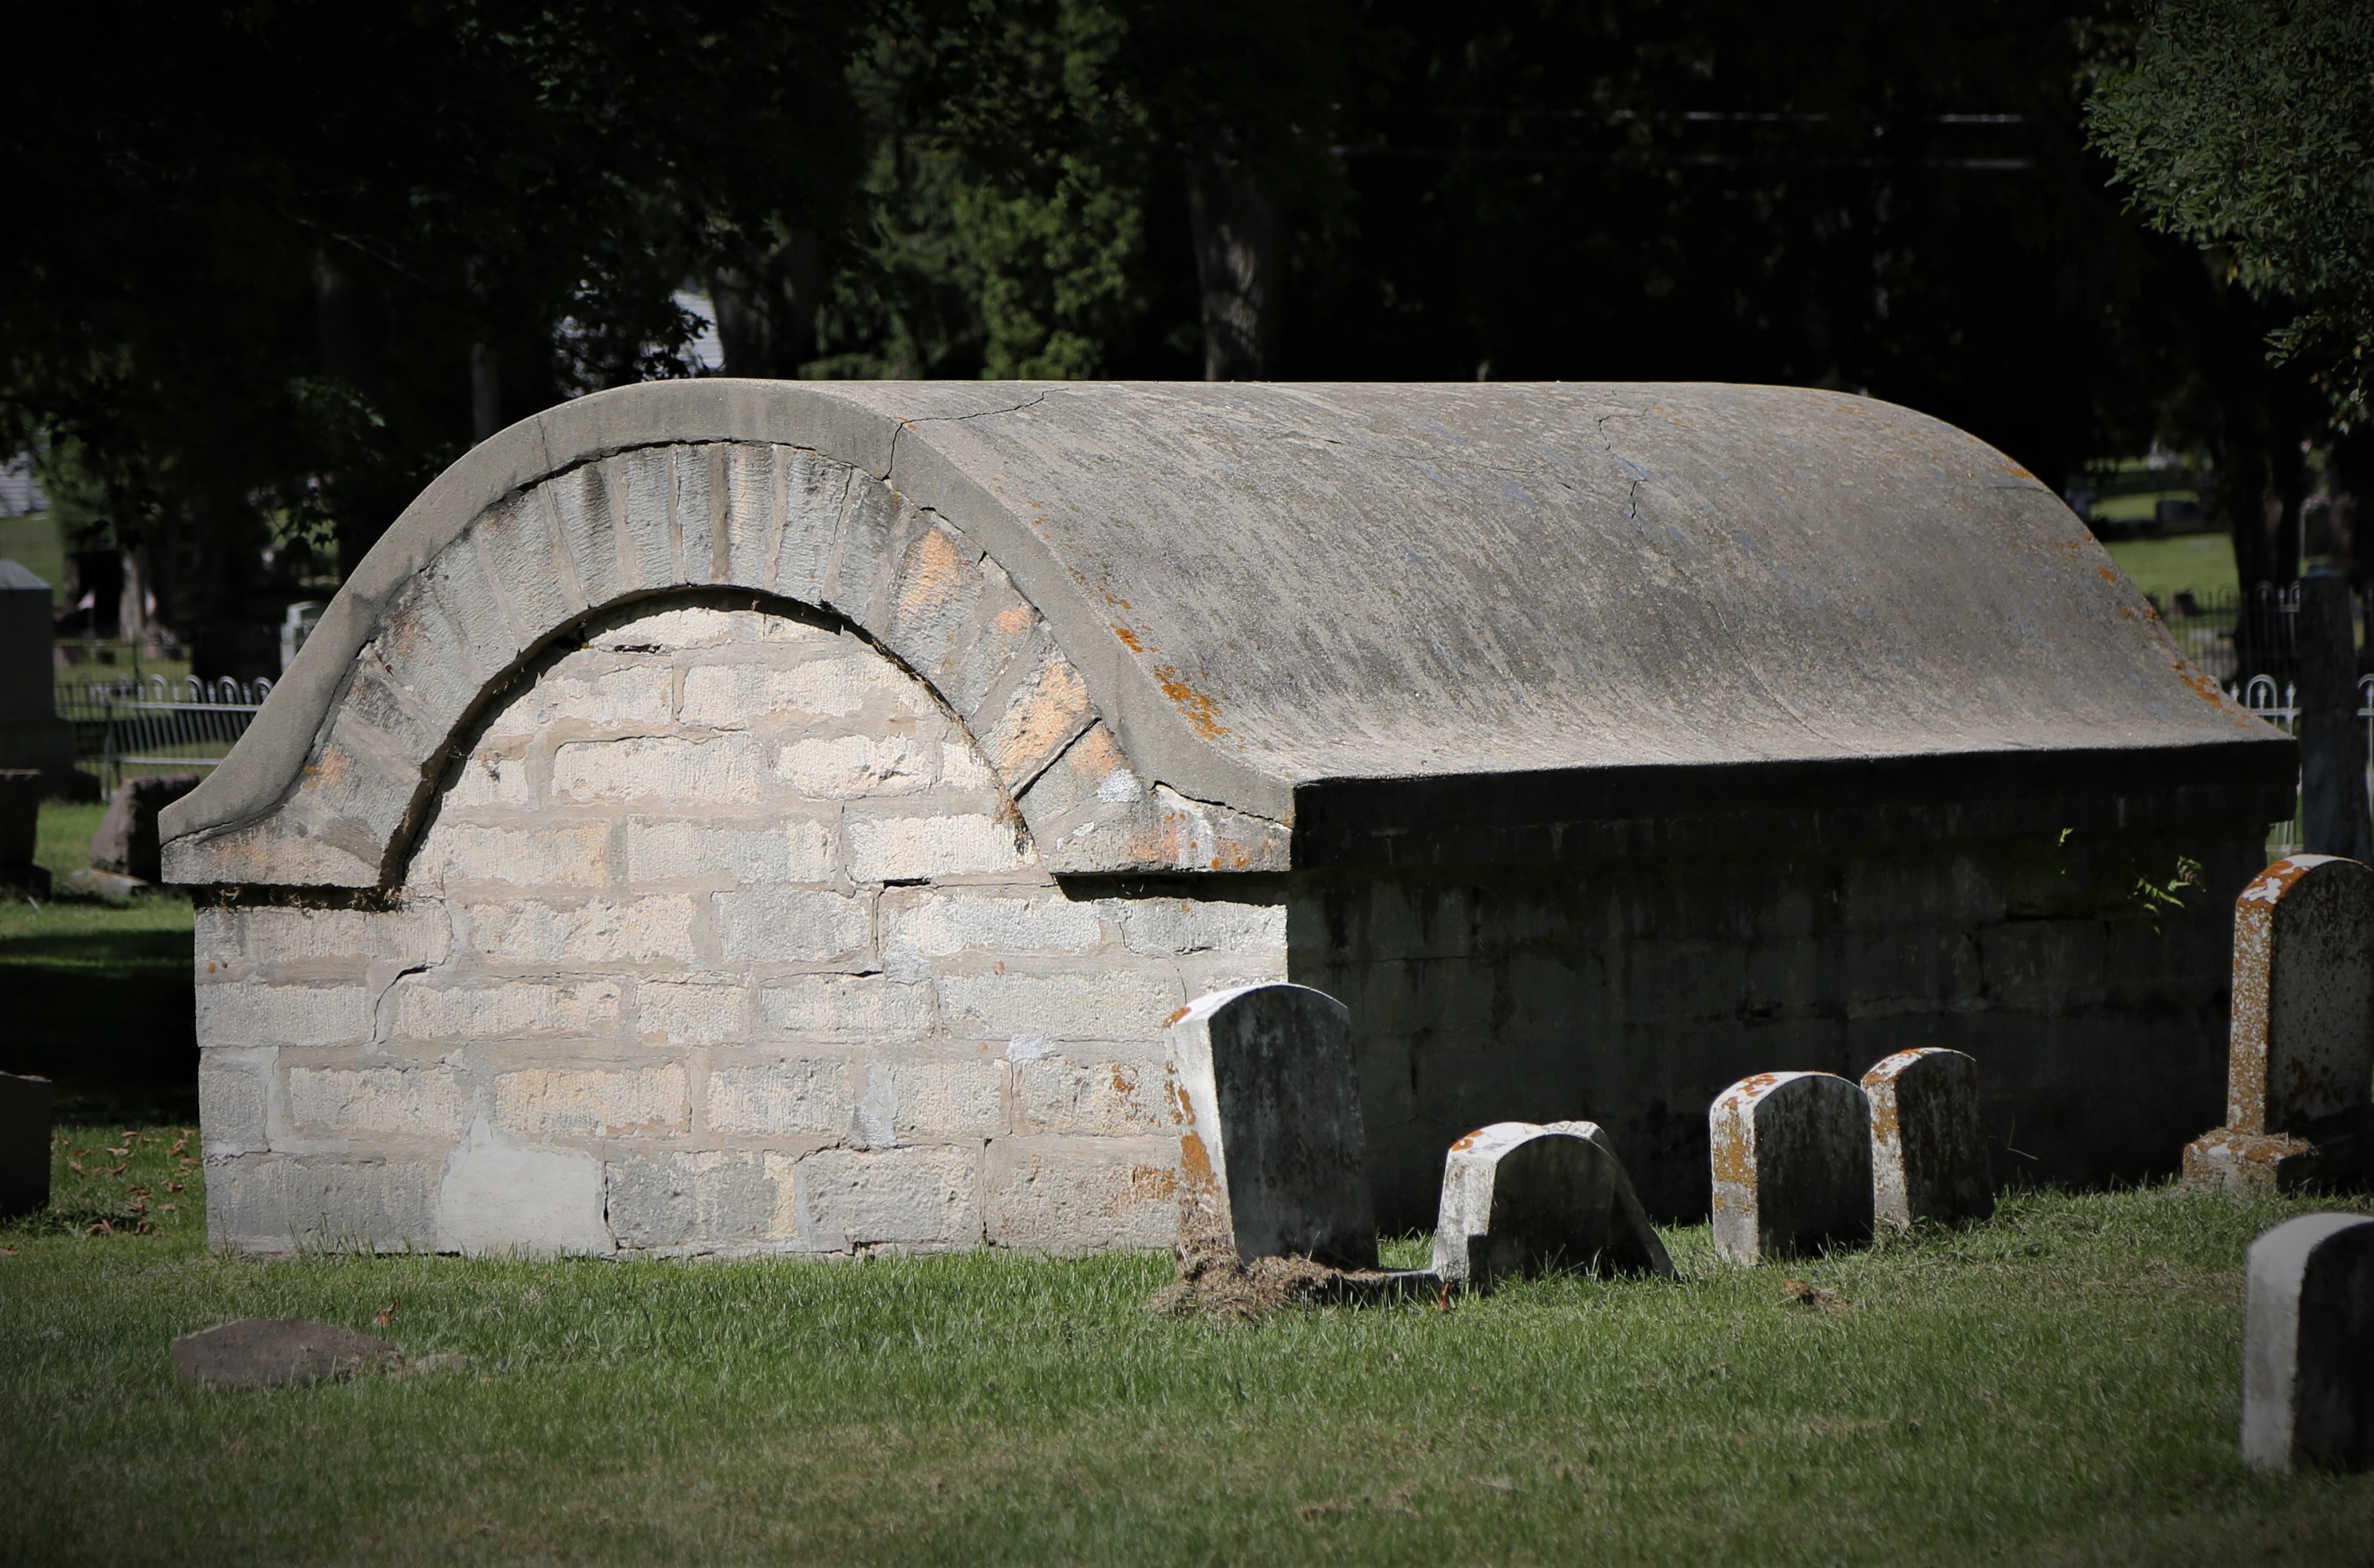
x: 423, y: 1008
x: 1928, y: 1149
x: 845, y: 1007
x: 848, y: 768
x: 603, y: 691
x: 126, y: 840
x: 549, y: 854
x: 795, y: 925
x: 705, y: 1201
x: 815, y: 489
x: 1521, y: 1200
x: 1074, y: 1195
x: 1107, y: 1099
x: 2299, y: 1093
x: 377, y: 1102
x: 542, y: 1103
x: 2307, y: 1357
x: 708, y: 1011
x: 1121, y: 1004
x: 1271, y: 1147
x: 232, y: 1095
x: 718, y: 769
x: 921, y: 924
x: 799, y: 848
x: 640, y: 488
x: 939, y: 583
x: 25, y: 1121
x: 274, y: 1203
x: 1046, y: 710
x: 949, y: 1100
x: 1177, y: 927
x: 778, y: 1095
x: 501, y: 1197
x: 1791, y: 1159
x: 255, y: 1012
x: 908, y: 849
x: 912, y: 1198
x: 596, y: 931
x: 838, y: 679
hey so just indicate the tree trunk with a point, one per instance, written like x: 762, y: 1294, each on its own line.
x: 767, y: 307
x: 485, y: 392
x: 1239, y: 265
x: 347, y: 322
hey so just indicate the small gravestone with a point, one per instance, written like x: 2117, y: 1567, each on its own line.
x: 125, y: 843
x: 1272, y: 1154
x: 272, y: 1353
x: 31, y: 734
x: 20, y: 814
x: 2299, y: 1088
x: 1928, y: 1153
x: 1520, y: 1198
x: 2308, y: 1356
x: 1791, y: 1157
x: 25, y: 1118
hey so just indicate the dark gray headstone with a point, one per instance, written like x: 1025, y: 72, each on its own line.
x: 25, y: 1121
x: 1928, y: 1151
x: 1792, y: 1154
x: 2308, y: 1357
x: 20, y: 815
x: 270, y: 1352
x: 1520, y: 1198
x: 126, y: 840
x: 1273, y: 1156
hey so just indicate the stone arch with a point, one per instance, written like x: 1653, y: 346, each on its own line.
x: 780, y: 522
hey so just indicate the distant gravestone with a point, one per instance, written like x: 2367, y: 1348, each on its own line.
x: 2308, y: 1359
x: 32, y: 733
x: 25, y: 1119
x: 1928, y: 1151
x: 1520, y: 1198
x: 1792, y: 1154
x: 126, y: 840
x: 1273, y: 1156
x: 20, y: 814
x: 2300, y: 1092
x: 273, y: 1352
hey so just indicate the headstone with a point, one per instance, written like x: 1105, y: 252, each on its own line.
x: 32, y: 733
x: 1520, y: 1198
x: 2333, y: 819
x: 20, y: 818
x: 25, y: 1121
x: 1272, y: 1153
x: 1928, y: 1152
x: 2308, y: 1357
x: 1791, y: 1157
x: 125, y: 843
x: 272, y: 1353
x: 2300, y: 1090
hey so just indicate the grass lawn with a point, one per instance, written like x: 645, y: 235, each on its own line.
x: 2200, y: 562
x: 2060, y: 1385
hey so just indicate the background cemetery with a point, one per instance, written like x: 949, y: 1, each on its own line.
x: 732, y: 880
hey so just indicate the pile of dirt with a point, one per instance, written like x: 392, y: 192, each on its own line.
x: 1213, y: 1284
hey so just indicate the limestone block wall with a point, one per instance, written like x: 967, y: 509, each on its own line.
x: 721, y: 936
x: 1630, y: 991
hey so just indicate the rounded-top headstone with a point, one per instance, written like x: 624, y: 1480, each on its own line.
x: 1928, y: 1147
x: 1272, y: 1155
x: 2303, y: 1011
x: 2308, y: 1359
x: 1520, y: 1198
x: 1792, y: 1154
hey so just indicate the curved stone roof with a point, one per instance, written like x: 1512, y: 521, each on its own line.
x: 1260, y: 586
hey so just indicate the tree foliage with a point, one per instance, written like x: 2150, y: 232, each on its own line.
x: 2248, y: 126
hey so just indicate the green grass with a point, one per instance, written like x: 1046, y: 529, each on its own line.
x: 2059, y: 1387
x: 97, y: 991
x: 2202, y: 563
x: 32, y: 541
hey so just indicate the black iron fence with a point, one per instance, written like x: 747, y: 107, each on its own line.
x: 130, y: 728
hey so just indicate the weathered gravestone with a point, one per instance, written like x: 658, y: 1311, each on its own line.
x: 25, y: 1115
x: 273, y: 1352
x: 1792, y: 1154
x: 2299, y: 1088
x: 1928, y: 1152
x: 1271, y: 1156
x: 32, y: 733
x: 1521, y: 1199
x: 20, y: 810
x: 126, y: 840
x: 2308, y: 1359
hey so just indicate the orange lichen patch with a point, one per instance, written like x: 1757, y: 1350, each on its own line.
x: 2210, y: 692
x: 1016, y: 621
x: 1128, y: 639
x: 2107, y: 574
x: 935, y: 574
x: 1145, y: 1181
x: 1195, y: 1164
x: 1174, y: 1018
x: 1468, y: 1141
x: 2269, y: 886
x: 1201, y: 710
x: 2015, y: 470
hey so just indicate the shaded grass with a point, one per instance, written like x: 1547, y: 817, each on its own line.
x: 2201, y: 563
x: 2060, y: 1385
x: 97, y: 992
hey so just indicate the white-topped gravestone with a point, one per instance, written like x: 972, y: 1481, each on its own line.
x: 2308, y: 1357
x: 1272, y: 1154
x: 25, y: 1109
x: 1928, y: 1153
x: 1521, y: 1199
x: 2299, y: 1088
x: 1792, y: 1154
